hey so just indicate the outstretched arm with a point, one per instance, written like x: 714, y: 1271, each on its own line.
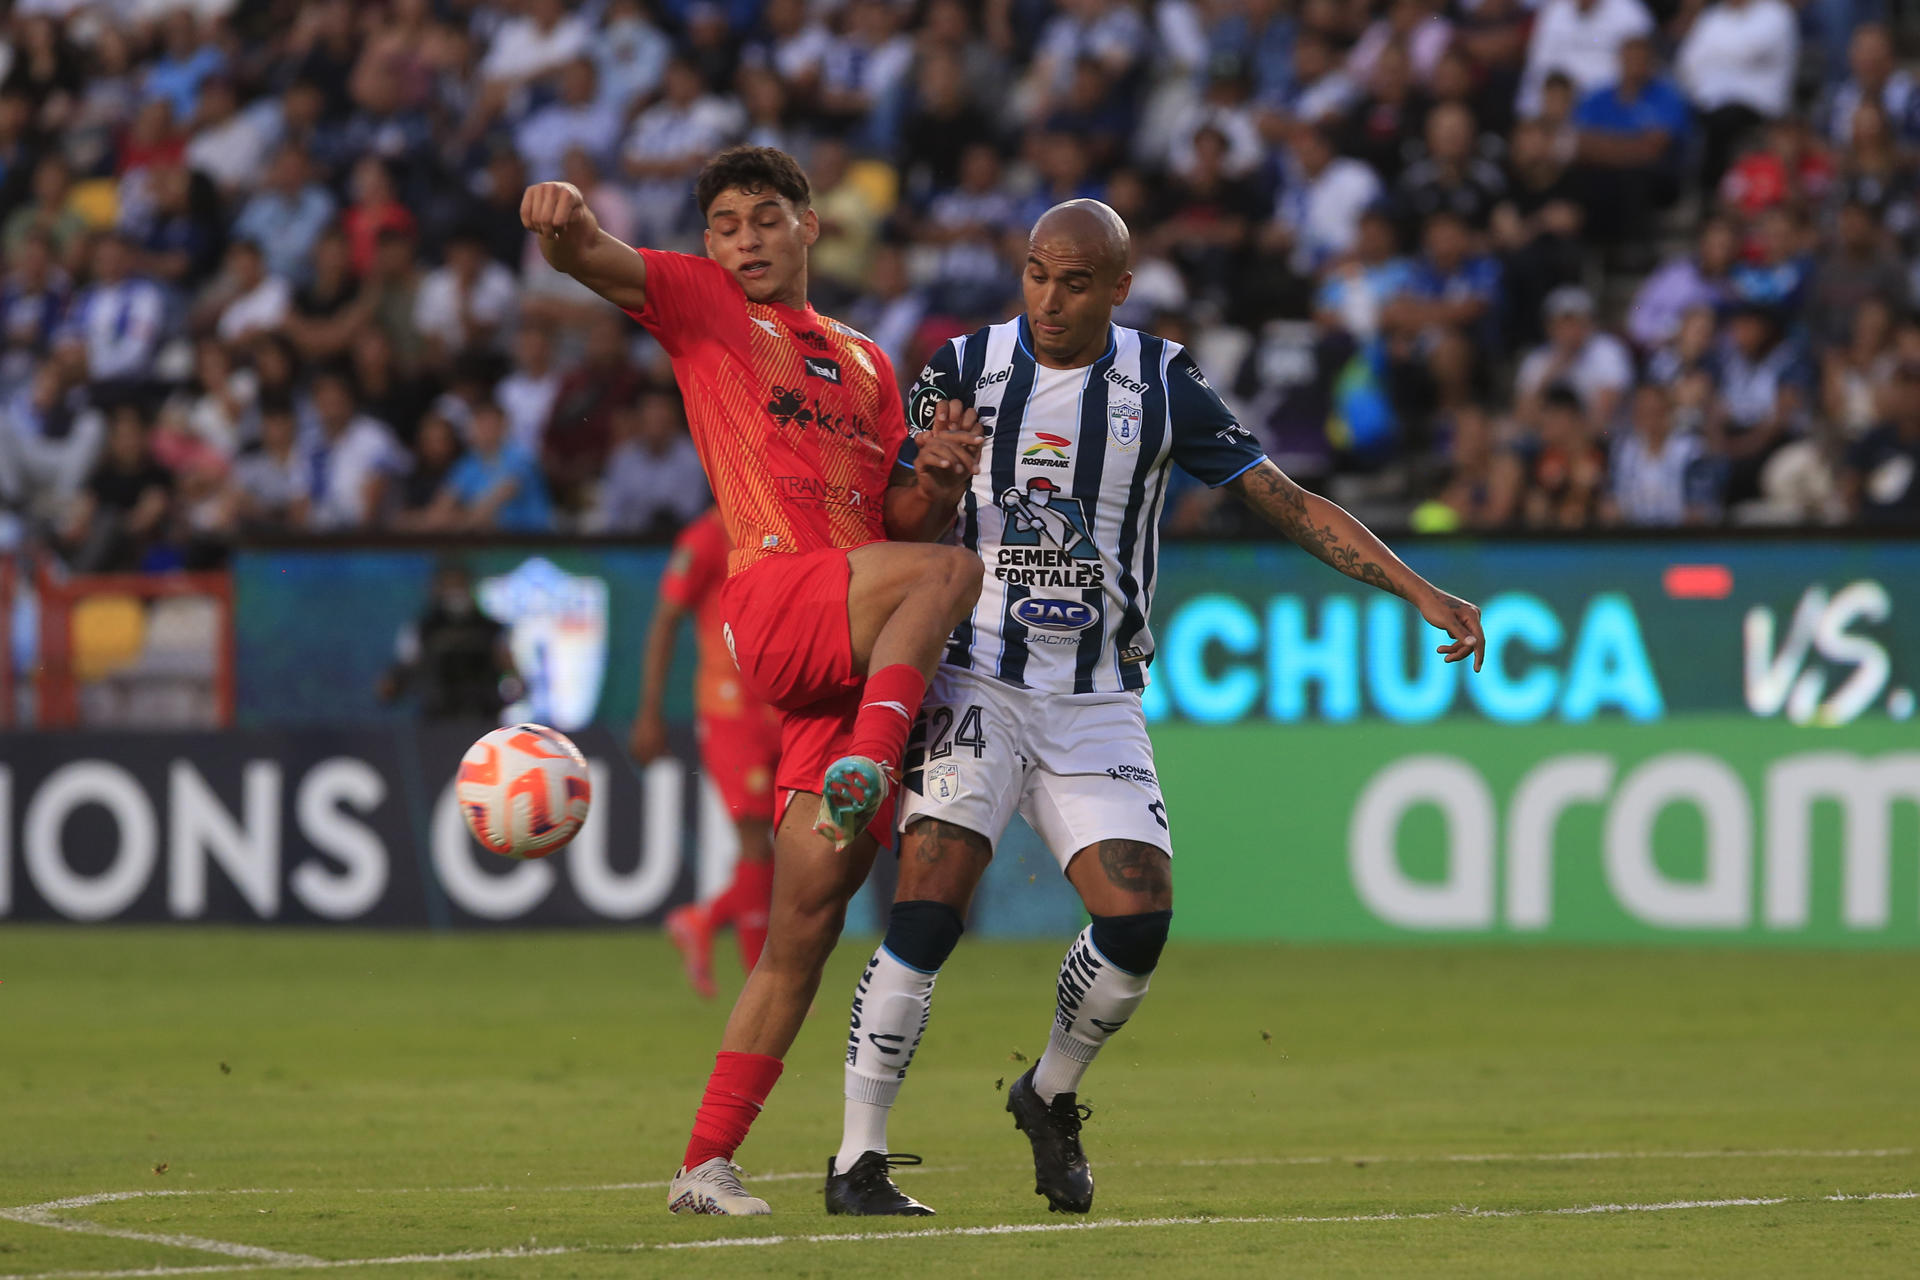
x: 1329, y: 532
x: 571, y: 241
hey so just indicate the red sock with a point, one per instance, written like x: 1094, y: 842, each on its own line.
x: 887, y: 711
x: 735, y: 1093
x: 752, y: 895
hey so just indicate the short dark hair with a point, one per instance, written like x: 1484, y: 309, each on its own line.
x: 752, y: 169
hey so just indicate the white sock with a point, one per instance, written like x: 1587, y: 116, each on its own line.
x: 890, y: 1010
x: 1094, y: 1001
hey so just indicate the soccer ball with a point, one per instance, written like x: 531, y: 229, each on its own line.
x: 524, y: 790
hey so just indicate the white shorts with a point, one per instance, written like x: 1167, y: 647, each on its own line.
x: 1078, y: 767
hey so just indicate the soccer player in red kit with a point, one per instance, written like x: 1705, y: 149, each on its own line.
x: 739, y: 738
x: 799, y: 425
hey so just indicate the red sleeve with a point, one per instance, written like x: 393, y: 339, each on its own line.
x: 698, y: 564
x: 687, y: 298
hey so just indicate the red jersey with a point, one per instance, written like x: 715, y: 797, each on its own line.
x: 797, y: 417
x: 692, y: 581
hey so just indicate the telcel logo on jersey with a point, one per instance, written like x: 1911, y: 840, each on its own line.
x: 1055, y: 615
x: 1049, y: 451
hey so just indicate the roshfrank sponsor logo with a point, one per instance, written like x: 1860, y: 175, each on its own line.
x: 1048, y: 450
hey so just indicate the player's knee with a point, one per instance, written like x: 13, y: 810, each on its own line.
x: 1133, y: 943
x: 923, y: 934
x: 957, y: 573
x: 803, y: 937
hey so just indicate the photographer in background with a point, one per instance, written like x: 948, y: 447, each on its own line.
x: 454, y: 661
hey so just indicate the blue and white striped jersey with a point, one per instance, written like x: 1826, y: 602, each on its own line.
x: 1066, y: 508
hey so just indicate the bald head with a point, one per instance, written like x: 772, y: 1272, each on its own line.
x: 1076, y: 275
x: 1085, y: 229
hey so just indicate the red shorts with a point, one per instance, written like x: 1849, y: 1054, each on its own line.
x: 787, y: 625
x: 741, y: 754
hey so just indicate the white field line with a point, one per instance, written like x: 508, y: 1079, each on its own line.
x: 1550, y: 1157
x: 38, y: 1217
x: 1004, y: 1229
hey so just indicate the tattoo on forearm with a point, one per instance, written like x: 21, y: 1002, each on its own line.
x: 1284, y: 505
x: 1135, y: 867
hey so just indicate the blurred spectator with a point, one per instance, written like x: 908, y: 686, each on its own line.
x: 1882, y: 481
x: 539, y: 39
x: 253, y: 300
x: 1451, y: 176
x: 1737, y: 64
x: 466, y: 302
x: 121, y: 514
x: 863, y: 73
x: 178, y: 229
x: 1660, y: 476
x: 375, y: 210
x: 287, y: 215
x: 1461, y: 287
x: 186, y: 62
x: 1563, y: 468
x: 1356, y: 291
x: 1321, y: 198
x: 1764, y: 384
x: 388, y: 390
x: 1855, y: 377
x: 630, y: 55
x: 230, y: 145
x: 654, y: 483
x: 669, y: 142
x: 1320, y: 91
x: 1415, y: 27
x: 330, y: 307
x: 1109, y: 32
x: 436, y: 451
x: 579, y: 428
x: 49, y: 212
x: 1775, y: 272
x: 891, y: 310
x: 119, y: 318
x: 1206, y: 217
x: 496, y: 485
x: 1389, y: 120
x: 1789, y: 167
x: 968, y: 225
x: 1877, y: 173
x: 580, y: 117
x: 1580, y: 39
x: 1876, y: 78
x: 1593, y: 366
x: 1537, y: 229
x: 1859, y: 267
x: 392, y: 293
x: 347, y: 459
x: 526, y: 395
x: 33, y: 301
x: 1631, y: 138
x: 849, y: 224
x: 1701, y: 278
x: 943, y: 123
x: 52, y: 436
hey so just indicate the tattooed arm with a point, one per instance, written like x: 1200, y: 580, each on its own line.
x: 1329, y: 532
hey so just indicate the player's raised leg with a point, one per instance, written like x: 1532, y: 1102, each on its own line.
x: 940, y: 867
x: 812, y: 884
x: 903, y: 601
x: 1127, y: 886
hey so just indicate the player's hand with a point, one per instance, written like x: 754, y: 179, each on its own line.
x: 949, y: 451
x: 558, y: 214
x: 1458, y: 619
x: 649, y: 740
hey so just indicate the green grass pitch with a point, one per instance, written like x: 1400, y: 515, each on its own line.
x: 274, y: 1100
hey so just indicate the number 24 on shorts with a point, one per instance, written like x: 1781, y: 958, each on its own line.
x: 943, y: 736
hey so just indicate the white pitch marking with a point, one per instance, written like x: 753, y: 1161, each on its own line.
x: 1003, y: 1229
x: 1545, y: 1157
x: 35, y: 1217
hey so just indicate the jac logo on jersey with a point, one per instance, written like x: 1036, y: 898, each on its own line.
x: 986, y: 380
x: 821, y: 367
x: 1120, y: 379
x: 1055, y: 615
x: 1123, y: 424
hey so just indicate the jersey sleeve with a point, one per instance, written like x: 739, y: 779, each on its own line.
x: 1208, y: 441
x: 697, y: 565
x: 687, y: 298
x: 939, y: 380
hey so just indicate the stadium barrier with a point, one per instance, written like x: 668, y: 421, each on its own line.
x: 1700, y: 741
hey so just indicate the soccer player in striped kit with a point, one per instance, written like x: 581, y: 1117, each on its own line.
x: 1036, y: 705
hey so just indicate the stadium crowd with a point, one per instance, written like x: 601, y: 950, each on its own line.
x: 1467, y: 264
